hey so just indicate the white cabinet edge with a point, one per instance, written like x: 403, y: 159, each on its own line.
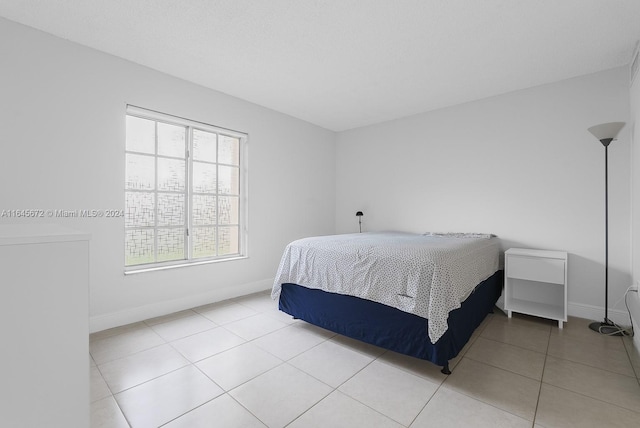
x: 549, y: 254
x: 37, y: 233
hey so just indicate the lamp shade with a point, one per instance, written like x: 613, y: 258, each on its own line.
x: 606, y: 132
x: 359, y: 214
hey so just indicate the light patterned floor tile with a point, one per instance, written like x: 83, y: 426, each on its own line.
x: 416, y: 366
x: 179, y: 378
x: 99, y: 335
x: 98, y: 387
x: 610, y: 355
x: 259, y: 302
x: 124, y: 344
x: 292, y: 340
x: 105, y: 413
x: 238, y: 365
x: 331, y: 363
x: 508, y: 357
x: 450, y: 409
x: 183, y: 327
x: 559, y: 408
x: 282, y: 317
x: 518, y: 333
x: 163, y: 399
x: 358, y: 346
x: 254, y: 326
x: 577, y: 329
x: 222, y: 412
x: 228, y: 312
x: 203, y: 345
x: 621, y: 390
x: 500, y: 388
x: 280, y: 395
x: 391, y: 391
x: 135, y: 369
x: 525, y: 320
x: 634, y: 354
x: 341, y: 411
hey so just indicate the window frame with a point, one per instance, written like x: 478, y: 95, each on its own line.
x: 190, y: 126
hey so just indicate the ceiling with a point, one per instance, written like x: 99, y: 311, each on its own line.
x: 343, y: 64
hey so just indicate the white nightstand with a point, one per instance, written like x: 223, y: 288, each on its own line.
x: 535, y: 283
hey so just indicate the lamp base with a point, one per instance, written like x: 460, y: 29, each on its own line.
x: 606, y: 327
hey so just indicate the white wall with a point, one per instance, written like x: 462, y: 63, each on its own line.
x: 634, y: 129
x: 520, y: 165
x: 62, y: 147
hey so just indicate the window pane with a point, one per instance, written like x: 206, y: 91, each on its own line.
x: 171, y: 140
x: 204, y: 242
x: 229, y: 150
x: 204, y: 178
x: 139, y: 209
x: 229, y: 209
x: 228, y: 240
x: 140, y: 172
x: 229, y: 180
x: 171, y: 174
x: 138, y: 247
x: 204, y: 210
x: 170, y: 244
x: 167, y: 191
x: 141, y: 135
x: 170, y: 209
x: 204, y: 146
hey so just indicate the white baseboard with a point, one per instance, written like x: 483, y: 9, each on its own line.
x: 141, y: 313
x: 596, y: 313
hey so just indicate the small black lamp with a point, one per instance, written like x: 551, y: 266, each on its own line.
x: 359, y: 215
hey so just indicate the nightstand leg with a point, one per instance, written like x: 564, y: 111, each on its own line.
x: 560, y: 324
x: 509, y: 314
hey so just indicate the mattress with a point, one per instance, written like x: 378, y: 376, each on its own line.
x: 427, y: 275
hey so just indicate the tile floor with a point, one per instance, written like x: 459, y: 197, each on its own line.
x: 241, y: 363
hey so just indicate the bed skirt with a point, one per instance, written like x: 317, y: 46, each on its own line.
x: 390, y: 328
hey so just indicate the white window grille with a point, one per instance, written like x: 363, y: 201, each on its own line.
x: 184, y: 197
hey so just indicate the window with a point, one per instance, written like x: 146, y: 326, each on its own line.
x: 183, y: 193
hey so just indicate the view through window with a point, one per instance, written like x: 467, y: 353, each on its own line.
x: 183, y: 199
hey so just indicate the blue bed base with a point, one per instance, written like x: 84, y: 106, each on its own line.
x: 388, y: 327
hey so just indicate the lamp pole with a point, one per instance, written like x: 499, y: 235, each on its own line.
x: 606, y: 143
x: 606, y: 133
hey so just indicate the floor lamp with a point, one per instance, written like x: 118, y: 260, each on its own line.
x: 359, y: 215
x: 606, y: 133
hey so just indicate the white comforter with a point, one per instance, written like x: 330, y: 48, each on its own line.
x: 427, y: 275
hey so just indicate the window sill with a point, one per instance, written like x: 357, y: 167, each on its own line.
x: 133, y: 271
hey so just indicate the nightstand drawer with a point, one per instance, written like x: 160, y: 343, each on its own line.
x: 536, y: 269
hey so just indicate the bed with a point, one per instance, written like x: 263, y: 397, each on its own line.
x: 422, y: 295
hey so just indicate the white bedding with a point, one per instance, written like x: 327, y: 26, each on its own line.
x: 426, y: 275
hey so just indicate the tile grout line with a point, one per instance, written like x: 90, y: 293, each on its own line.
x: 189, y: 363
x: 355, y: 399
x: 113, y: 396
x: 478, y: 399
x: 544, y: 366
x: 379, y: 358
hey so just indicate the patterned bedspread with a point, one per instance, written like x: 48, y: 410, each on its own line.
x: 426, y: 275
